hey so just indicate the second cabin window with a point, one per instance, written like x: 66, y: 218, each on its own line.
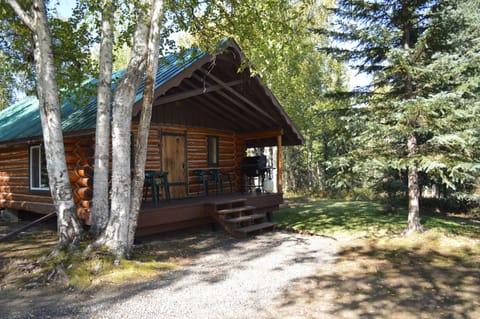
x: 212, y: 148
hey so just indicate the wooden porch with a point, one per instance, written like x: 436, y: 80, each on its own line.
x: 195, y: 211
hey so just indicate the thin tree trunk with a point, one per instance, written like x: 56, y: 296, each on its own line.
x: 100, y: 211
x: 69, y: 229
x: 412, y: 145
x: 310, y: 162
x: 413, y: 190
x: 145, y: 119
x: 115, y: 236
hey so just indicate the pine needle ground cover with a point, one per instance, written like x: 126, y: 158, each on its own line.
x: 380, y: 274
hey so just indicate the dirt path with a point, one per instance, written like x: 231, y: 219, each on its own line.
x: 280, y: 275
x: 221, y: 277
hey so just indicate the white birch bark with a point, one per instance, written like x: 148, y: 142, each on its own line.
x: 100, y: 211
x: 145, y: 118
x: 115, y: 236
x: 69, y: 228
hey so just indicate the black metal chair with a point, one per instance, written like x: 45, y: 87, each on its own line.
x: 204, y: 180
x: 220, y: 177
x: 156, y: 180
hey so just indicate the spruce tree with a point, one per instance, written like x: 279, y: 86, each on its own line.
x: 422, y: 113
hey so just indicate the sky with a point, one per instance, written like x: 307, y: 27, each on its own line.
x: 64, y: 7
x: 361, y: 79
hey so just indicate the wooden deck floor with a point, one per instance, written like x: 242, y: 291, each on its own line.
x: 190, y: 212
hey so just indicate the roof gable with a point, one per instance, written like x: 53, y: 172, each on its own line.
x: 22, y: 120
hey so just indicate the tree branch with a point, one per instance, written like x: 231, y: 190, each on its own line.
x: 22, y: 14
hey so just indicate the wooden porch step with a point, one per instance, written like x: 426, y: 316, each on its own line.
x: 256, y: 227
x: 245, y: 218
x: 234, y: 210
x: 229, y: 202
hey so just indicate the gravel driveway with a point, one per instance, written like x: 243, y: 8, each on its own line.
x: 227, y: 278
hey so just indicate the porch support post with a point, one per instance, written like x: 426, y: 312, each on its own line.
x: 279, y: 164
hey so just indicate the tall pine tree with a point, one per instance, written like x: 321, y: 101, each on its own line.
x: 422, y: 114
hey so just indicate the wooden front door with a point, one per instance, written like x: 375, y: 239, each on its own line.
x: 174, y: 157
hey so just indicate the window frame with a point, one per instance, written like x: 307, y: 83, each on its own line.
x: 40, y: 166
x: 213, y: 159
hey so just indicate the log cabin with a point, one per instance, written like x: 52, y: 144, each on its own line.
x: 206, y: 113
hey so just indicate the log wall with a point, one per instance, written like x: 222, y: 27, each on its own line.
x: 231, y: 152
x: 79, y: 151
x: 15, y: 190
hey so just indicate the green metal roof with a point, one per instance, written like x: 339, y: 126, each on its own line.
x: 22, y: 120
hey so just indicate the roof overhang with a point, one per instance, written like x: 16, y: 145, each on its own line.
x: 216, y: 92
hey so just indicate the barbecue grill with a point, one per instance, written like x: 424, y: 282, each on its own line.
x: 255, y: 166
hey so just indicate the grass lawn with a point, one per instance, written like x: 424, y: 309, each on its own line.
x: 380, y: 274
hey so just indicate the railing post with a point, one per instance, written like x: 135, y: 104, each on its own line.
x: 279, y: 164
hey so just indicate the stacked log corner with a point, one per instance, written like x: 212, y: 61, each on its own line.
x: 79, y: 154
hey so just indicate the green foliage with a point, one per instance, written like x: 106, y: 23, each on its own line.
x: 426, y: 86
x: 278, y: 44
x: 71, y: 47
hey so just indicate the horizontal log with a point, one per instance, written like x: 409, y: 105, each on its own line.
x: 23, y: 171
x: 85, y: 171
x: 41, y: 208
x: 82, y: 152
x: 69, y: 147
x: 84, y: 204
x: 226, y: 144
x: 193, y: 150
x: 153, y: 158
x: 84, y: 214
x: 153, y: 142
x: 76, y: 198
x: 85, y: 142
x: 85, y: 193
x: 14, y: 149
x: 73, y: 176
x: 258, y: 135
x: 15, y: 189
x: 86, y: 161
x: 70, y: 140
x: 197, y: 157
x: 14, y: 182
x: 194, y: 130
x: 71, y: 158
x: 14, y: 173
x: 15, y: 160
x: 15, y: 155
x: 85, y: 182
x: 26, y: 197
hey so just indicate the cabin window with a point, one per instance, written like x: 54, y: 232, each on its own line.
x: 38, y: 169
x: 212, y: 146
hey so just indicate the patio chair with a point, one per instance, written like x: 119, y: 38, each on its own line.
x: 204, y: 180
x: 219, y: 178
x: 156, y: 180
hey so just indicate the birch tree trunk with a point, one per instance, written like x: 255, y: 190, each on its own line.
x: 145, y: 119
x: 115, y: 236
x: 100, y: 211
x: 69, y: 229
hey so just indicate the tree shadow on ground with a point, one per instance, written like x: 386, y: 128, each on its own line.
x: 184, y: 248
x: 373, y: 281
